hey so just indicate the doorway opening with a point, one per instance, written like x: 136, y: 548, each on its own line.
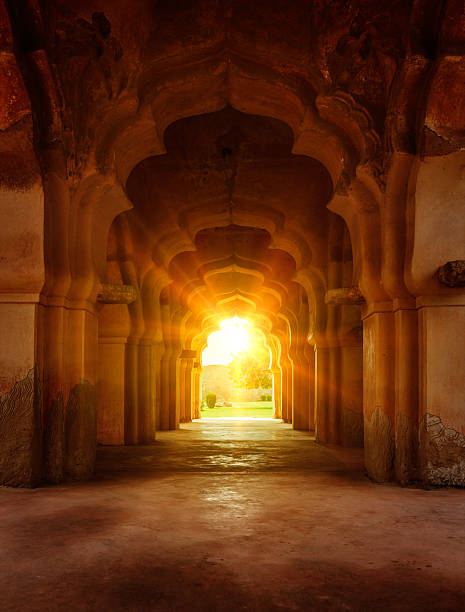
x: 236, y: 380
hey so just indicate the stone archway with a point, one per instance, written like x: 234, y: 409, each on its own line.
x: 110, y: 108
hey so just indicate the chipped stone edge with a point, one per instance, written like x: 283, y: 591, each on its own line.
x: 442, y: 453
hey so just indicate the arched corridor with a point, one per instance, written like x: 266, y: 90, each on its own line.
x: 152, y: 188
x: 166, y: 165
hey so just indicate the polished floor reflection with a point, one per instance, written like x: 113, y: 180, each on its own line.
x: 231, y: 515
x: 225, y: 445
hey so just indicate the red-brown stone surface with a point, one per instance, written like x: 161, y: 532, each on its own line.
x: 230, y: 516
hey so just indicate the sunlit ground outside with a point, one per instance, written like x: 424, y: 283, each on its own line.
x: 236, y: 379
x: 261, y: 410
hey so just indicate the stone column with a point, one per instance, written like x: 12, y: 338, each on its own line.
x: 378, y: 391
x: 346, y: 373
x: 406, y: 391
x: 165, y: 370
x: 441, y: 376
x: 321, y: 392
x: 174, y: 382
x: 196, y: 372
x: 111, y: 389
x: 188, y: 391
x: 277, y: 407
x: 81, y: 351
x: 333, y: 392
x: 310, y: 356
x: 181, y: 389
x: 351, y: 395
x: 300, y: 413
x: 146, y: 393
x: 287, y: 389
x: 55, y: 389
x: 20, y: 397
x: 157, y: 351
x: 114, y: 329
x: 131, y: 395
x: 350, y: 381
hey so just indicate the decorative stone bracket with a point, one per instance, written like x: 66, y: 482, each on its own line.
x: 116, y: 294
x: 344, y: 296
x: 452, y: 273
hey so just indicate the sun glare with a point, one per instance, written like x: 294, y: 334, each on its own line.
x: 224, y: 344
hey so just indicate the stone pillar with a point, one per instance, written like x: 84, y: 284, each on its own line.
x: 287, y: 389
x: 169, y: 371
x: 346, y: 367
x: 55, y: 390
x: 188, y: 391
x: 333, y: 391
x: 406, y: 391
x: 277, y: 406
x: 146, y: 393
x: 20, y: 397
x: 114, y: 329
x: 165, y: 369
x: 321, y: 393
x: 181, y: 389
x: 131, y: 395
x: 81, y: 352
x: 350, y: 377
x: 378, y: 391
x: 310, y: 355
x: 124, y: 369
x: 174, y: 381
x: 164, y: 414
x: 157, y: 352
x: 111, y: 389
x: 351, y: 395
x: 196, y: 372
x: 300, y: 412
x: 333, y: 321
x: 441, y: 376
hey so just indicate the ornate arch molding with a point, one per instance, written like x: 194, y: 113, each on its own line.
x: 329, y: 127
x: 332, y: 128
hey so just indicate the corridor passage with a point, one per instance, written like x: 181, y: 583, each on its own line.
x: 231, y: 515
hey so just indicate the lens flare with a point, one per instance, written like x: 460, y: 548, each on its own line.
x: 232, y: 338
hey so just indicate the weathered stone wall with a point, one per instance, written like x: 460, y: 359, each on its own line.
x: 20, y: 433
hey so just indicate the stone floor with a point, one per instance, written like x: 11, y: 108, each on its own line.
x: 231, y: 515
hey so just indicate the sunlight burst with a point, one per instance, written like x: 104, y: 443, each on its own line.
x: 222, y: 345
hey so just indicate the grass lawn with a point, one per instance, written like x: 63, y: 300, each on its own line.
x: 241, y: 409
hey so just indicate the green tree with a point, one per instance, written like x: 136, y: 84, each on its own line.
x: 250, y: 369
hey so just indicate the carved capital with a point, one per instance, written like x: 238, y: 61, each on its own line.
x: 452, y: 273
x: 344, y: 296
x: 116, y: 294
